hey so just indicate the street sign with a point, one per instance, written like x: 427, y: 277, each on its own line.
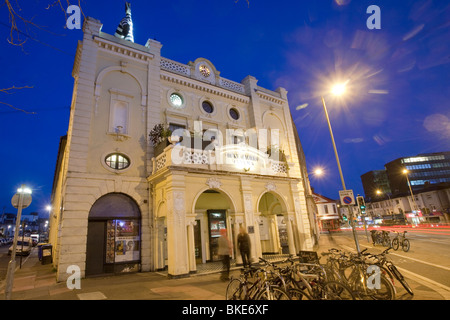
x: 347, y: 197
x: 25, y: 202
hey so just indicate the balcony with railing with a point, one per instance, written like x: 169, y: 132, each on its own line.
x: 239, y: 158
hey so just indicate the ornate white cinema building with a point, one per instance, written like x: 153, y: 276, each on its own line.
x: 122, y: 203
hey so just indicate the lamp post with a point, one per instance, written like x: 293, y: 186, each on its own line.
x: 410, y: 190
x: 20, y: 200
x: 338, y: 90
x: 379, y: 192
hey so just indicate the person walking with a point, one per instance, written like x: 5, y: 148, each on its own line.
x: 224, y: 252
x: 243, y: 241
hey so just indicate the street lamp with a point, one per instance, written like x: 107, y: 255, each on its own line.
x: 318, y: 172
x: 410, y: 190
x: 379, y: 192
x: 339, y: 90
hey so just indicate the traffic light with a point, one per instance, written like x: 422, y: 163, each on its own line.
x: 361, y: 204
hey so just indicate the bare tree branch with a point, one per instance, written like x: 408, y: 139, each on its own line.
x: 248, y: 2
x: 12, y: 90
x: 19, y: 34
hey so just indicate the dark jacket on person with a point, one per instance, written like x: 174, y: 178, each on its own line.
x: 243, y: 241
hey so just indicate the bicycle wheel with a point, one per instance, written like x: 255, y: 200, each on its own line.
x: 273, y: 293
x: 297, y: 294
x: 405, y: 245
x: 386, y: 242
x: 395, y: 244
x: 333, y: 290
x: 401, y: 279
x: 385, y: 291
x: 236, y: 290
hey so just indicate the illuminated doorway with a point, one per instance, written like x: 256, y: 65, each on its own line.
x: 212, y: 210
x: 114, y: 236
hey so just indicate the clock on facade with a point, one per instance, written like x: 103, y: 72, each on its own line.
x: 204, y: 70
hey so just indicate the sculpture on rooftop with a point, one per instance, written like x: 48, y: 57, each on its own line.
x: 125, y: 28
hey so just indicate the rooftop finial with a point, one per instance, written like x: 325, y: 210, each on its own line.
x: 125, y: 28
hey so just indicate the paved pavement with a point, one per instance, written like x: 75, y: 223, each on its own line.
x: 35, y: 281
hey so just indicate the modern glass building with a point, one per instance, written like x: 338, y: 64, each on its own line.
x: 422, y: 170
x: 375, y: 184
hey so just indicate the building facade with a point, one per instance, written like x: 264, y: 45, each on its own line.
x: 424, y: 170
x: 433, y: 206
x: 374, y: 182
x: 328, y: 213
x: 124, y: 199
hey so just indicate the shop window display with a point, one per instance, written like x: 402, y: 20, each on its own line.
x: 122, y: 241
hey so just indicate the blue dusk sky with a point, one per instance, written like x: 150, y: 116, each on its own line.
x: 398, y: 83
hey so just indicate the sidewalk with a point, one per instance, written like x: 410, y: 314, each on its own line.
x: 35, y: 281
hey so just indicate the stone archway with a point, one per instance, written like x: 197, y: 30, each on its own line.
x: 213, y: 209
x: 275, y: 228
x: 114, y: 235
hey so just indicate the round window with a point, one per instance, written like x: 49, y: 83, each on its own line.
x: 207, y: 106
x: 234, y: 114
x: 176, y: 100
x: 117, y: 161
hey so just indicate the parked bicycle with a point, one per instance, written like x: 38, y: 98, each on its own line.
x: 400, y: 239
x: 354, y: 271
x: 310, y: 281
x: 389, y: 267
x: 380, y: 237
x: 256, y: 284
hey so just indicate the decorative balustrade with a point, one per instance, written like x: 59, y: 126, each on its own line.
x: 233, y: 158
x: 183, y: 69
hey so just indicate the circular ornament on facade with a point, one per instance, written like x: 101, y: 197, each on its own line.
x: 207, y: 107
x: 234, y: 114
x: 204, y: 70
x: 176, y: 100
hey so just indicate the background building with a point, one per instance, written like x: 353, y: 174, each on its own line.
x: 130, y: 195
x: 424, y: 170
x: 327, y: 212
x: 433, y: 207
x: 374, y: 182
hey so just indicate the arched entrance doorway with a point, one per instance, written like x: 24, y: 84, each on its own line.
x: 114, y: 236
x: 273, y: 228
x: 212, y: 209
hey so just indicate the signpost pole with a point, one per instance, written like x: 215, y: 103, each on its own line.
x: 347, y: 199
x: 355, y: 236
x: 340, y: 173
x: 12, y: 263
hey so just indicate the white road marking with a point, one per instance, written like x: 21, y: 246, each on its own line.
x: 414, y: 259
x: 443, y: 290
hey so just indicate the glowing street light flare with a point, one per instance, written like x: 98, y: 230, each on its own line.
x: 318, y: 171
x: 339, y: 89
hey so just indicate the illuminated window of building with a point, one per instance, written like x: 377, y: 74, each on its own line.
x: 176, y: 100
x: 117, y: 161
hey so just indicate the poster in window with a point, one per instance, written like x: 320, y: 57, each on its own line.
x: 127, y: 241
x: 110, y: 240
